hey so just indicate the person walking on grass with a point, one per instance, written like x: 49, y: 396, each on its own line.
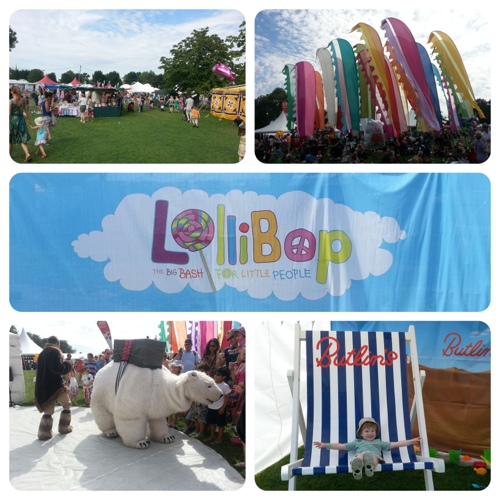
x: 18, y: 130
x: 41, y: 135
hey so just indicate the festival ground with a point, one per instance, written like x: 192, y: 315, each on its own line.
x: 86, y: 460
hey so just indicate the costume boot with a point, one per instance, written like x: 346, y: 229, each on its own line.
x: 45, y: 428
x: 64, y: 422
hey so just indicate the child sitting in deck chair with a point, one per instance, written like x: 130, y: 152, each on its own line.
x: 368, y: 449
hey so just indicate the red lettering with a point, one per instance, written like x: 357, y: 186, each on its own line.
x: 361, y: 357
x: 453, y: 348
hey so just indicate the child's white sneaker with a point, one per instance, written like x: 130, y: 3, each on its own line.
x: 369, y: 464
x: 357, y: 468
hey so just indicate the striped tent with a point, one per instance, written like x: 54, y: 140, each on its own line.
x: 351, y: 375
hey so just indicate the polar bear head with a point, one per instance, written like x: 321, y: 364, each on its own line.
x: 199, y: 387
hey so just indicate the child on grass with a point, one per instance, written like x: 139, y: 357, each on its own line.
x: 41, y: 135
x: 87, y: 383
x: 216, y: 414
x: 368, y: 449
x: 195, y: 115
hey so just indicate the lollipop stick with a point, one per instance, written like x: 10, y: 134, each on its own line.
x: 208, y: 272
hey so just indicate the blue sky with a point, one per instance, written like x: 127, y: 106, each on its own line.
x: 108, y: 40
x: 289, y: 36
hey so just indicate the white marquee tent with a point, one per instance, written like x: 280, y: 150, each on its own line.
x: 279, y: 124
x: 28, y: 347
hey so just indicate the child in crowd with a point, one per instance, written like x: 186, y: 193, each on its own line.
x: 216, y: 414
x: 368, y: 449
x: 198, y: 411
x: 195, y: 114
x: 176, y: 368
x: 41, y: 135
x: 73, y: 386
x: 243, y: 141
x: 89, y: 113
x: 87, y: 382
x: 101, y: 361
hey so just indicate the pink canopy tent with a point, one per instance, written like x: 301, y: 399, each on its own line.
x: 75, y: 82
x: 46, y: 81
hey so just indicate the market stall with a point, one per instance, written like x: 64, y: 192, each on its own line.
x: 107, y: 101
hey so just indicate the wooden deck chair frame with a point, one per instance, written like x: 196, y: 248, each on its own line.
x: 358, y: 374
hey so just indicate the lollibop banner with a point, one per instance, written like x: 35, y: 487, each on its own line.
x: 319, y: 242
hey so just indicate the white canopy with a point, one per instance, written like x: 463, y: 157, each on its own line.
x: 142, y: 87
x: 279, y: 124
x: 28, y: 347
x: 17, y: 388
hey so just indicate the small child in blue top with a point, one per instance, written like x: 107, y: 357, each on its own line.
x: 368, y: 449
x: 41, y: 135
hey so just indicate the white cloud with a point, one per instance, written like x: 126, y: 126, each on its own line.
x: 295, y: 35
x: 126, y: 241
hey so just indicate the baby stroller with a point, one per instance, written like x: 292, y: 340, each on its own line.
x: 130, y: 106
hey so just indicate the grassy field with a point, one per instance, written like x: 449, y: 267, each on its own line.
x: 148, y: 137
x: 456, y: 478
x: 233, y: 453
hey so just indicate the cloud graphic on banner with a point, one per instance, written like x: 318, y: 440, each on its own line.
x: 287, y: 246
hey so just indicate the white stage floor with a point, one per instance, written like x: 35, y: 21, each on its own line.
x: 86, y: 460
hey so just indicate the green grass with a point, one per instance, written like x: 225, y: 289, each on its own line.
x: 148, y: 137
x: 456, y: 478
x: 232, y: 453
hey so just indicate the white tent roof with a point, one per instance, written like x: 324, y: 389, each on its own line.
x: 28, y: 347
x: 142, y: 87
x: 279, y: 124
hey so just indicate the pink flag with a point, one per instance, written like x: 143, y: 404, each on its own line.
x: 106, y: 332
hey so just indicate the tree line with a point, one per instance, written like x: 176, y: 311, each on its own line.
x: 189, y: 67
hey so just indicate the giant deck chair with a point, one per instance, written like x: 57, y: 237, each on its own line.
x: 351, y: 375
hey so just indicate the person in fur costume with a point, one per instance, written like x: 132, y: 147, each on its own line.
x: 50, y: 387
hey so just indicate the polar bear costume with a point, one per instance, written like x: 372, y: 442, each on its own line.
x: 145, y: 397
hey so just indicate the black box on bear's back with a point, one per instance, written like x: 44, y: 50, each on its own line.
x: 145, y: 353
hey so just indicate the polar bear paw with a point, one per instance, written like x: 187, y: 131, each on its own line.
x: 168, y: 439
x: 143, y: 444
x: 112, y: 433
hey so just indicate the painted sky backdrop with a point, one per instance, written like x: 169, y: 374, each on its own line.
x: 289, y: 36
x: 57, y: 41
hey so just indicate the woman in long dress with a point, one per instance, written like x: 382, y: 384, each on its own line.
x: 18, y: 128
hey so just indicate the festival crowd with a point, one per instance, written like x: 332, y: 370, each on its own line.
x: 470, y: 145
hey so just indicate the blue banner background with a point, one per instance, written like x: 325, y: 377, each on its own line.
x: 443, y: 265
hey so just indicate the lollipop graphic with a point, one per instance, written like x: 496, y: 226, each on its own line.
x: 194, y: 229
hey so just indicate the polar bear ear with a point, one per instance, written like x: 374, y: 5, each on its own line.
x: 193, y: 374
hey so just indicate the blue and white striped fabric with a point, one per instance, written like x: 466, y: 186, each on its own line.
x: 351, y: 375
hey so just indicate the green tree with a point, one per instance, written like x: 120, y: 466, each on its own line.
x: 35, y: 75
x: 18, y: 74
x: 113, y: 78
x: 98, y: 76
x: 131, y: 78
x: 84, y: 78
x: 37, y: 339
x: 63, y: 344
x: 237, y: 47
x: 191, y: 62
x: 268, y: 107
x: 52, y: 76
x: 485, y: 108
x: 67, y: 77
x: 12, y: 39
